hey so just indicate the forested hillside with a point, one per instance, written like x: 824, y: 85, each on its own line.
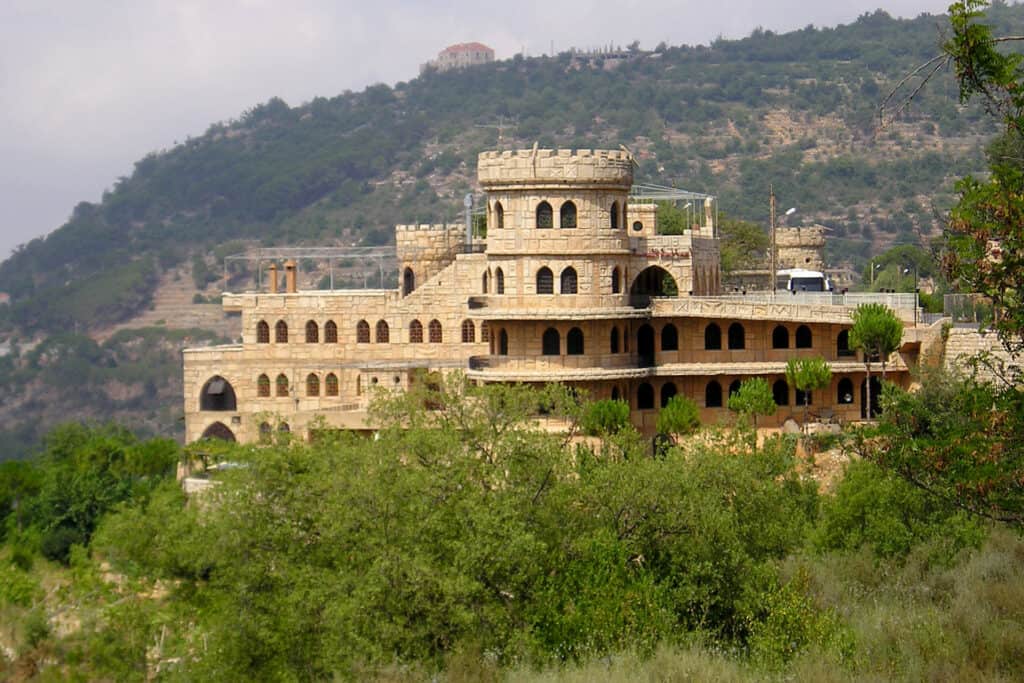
x: 797, y: 110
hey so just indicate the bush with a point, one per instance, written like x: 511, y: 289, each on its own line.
x: 605, y: 417
x: 680, y: 416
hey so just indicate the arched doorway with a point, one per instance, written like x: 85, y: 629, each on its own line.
x: 645, y: 344
x: 217, y: 394
x: 876, y: 395
x: 652, y: 281
x: 218, y: 430
x: 408, y: 282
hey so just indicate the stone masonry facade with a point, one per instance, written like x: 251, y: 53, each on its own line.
x: 573, y: 284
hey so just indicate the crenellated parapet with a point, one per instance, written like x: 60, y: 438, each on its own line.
x: 423, y: 250
x: 547, y: 167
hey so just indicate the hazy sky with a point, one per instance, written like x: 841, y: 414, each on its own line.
x: 87, y: 88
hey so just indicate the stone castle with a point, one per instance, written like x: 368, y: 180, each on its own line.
x: 573, y: 284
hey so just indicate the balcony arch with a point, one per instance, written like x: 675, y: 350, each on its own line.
x: 574, y: 342
x: 551, y: 342
x: 737, y: 337
x: 712, y: 337
x: 218, y: 430
x: 218, y: 395
x: 713, y: 395
x: 669, y: 338
x: 645, y: 397
x: 654, y: 281
x: 645, y: 344
x: 844, y: 392
x: 780, y: 337
x: 668, y: 390
x: 804, y: 338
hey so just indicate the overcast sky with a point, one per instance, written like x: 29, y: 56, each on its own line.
x: 87, y: 88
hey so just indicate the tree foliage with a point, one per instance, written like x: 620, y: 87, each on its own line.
x: 807, y: 375
x: 679, y: 416
x: 753, y: 398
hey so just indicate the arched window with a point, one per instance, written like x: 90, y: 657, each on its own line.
x: 484, y: 282
x: 263, y: 386
x: 801, y: 396
x: 331, y: 385
x: 712, y: 337
x: 668, y: 390
x: 550, y: 342
x: 485, y: 332
x: 284, y: 428
x: 614, y: 216
x: 780, y: 392
x: 265, y: 431
x: 713, y: 395
x: 645, y: 397
x: 503, y: 342
x: 282, y: 385
x: 218, y: 430
x: 804, y: 339
x: 844, y: 392
x: 499, y: 281
x: 734, y: 387
x: 574, y: 342
x: 544, y: 215
x: 468, y: 332
x: 281, y: 332
x: 383, y: 332
x: 568, y: 280
x: 780, y: 337
x: 217, y: 394
x: 416, y: 332
x: 499, y: 215
x: 435, y: 332
x: 330, y: 332
x: 312, y: 332
x: 615, y: 340
x: 363, y: 332
x: 669, y: 338
x: 408, y: 281
x: 737, y: 337
x: 545, y: 281
x: 262, y: 332
x: 616, y: 280
x: 567, y: 216
x: 615, y: 393
x: 312, y: 385
x: 843, y: 345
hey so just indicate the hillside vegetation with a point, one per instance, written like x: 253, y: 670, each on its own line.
x: 798, y: 111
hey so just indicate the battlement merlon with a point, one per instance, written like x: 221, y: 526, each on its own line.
x: 528, y: 168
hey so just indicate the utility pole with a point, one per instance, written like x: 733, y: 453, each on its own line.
x: 771, y: 213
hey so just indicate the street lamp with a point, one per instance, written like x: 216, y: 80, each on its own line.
x: 874, y: 267
x: 906, y: 271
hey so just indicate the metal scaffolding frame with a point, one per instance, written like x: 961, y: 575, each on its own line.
x: 377, y: 255
x: 642, y: 192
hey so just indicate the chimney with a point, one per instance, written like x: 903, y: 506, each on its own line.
x: 289, y: 277
x: 273, y: 278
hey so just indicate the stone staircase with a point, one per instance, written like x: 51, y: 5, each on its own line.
x: 964, y: 343
x: 173, y: 308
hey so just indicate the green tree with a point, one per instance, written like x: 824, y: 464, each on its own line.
x: 876, y: 333
x: 753, y: 398
x: 680, y: 416
x: 985, y: 231
x: 743, y: 244
x: 807, y: 375
x: 605, y: 417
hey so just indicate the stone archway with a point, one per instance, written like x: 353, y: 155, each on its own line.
x: 654, y: 281
x: 217, y: 395
x: 218, y: 430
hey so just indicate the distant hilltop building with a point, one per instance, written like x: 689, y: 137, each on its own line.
x: 460, y: 56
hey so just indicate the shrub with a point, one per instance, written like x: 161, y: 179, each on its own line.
x: 605, y: 417
x: 680, y: 416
